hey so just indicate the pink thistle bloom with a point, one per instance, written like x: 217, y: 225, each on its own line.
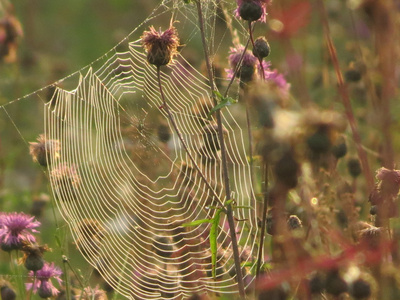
x: 251, y: 62
x: 16, y: 228
x: 42, y: 283
x: 248, y: 64
x: 261, y: 3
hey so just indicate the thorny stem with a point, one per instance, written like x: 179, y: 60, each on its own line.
x: 171, y: 118
x: 264, y: 221
x: 259, y: 59
x: 229, y: 212
x: 346, y: 100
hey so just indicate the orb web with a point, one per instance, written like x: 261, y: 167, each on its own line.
x: 124, y: 184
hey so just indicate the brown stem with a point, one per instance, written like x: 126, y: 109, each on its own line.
x: 346, y: 100
x: 225, y: 173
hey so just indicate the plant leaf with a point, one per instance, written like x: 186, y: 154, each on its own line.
x: 197, y: 222
x: 222, y: 102
x: 213, y: 240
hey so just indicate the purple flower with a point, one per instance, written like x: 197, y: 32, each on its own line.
x: 92, y: 294
x: 247, y: 67
x: 250, y: 62
x: 278, y: 79
x: 42, y: 283
x: 16, y: 228
x: 250, y: 5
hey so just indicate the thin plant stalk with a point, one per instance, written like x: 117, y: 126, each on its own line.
x: 346, y: 100
x: 67, y: 291
x: 229, y: 211
x: 263, y: 222
x: 33, y: 285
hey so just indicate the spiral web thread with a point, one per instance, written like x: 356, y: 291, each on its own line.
x: 125, y: 185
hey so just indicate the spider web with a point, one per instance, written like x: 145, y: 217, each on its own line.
x: 123, y: 182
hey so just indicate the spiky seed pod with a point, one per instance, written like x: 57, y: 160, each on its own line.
x: 161, y: 47
x: 339, y: 150
x: 163, y: 133
x: 250, y: 10
x: 360, y: 289
x: 44, y: 149
x: 294, y: 222
x: 316, y: 283
x: 286, y: 170
x: 335, y: 285
x: 352, y: 75
x: 7, y: 293
x: 261, y: 48
x: 354, y: 167
x: 319, y: 142
x: 33, y: 256
x: 373, y: 210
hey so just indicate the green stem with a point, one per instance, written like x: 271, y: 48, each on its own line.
x: 225, y: 173
x: 259, y: 59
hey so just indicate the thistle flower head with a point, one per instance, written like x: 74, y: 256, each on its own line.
x: 252, y: 10
x: 33, y: 256
x: 247, y: 67
x: 42, y: 283
x: 43, y: 149
x: 161, y: 47
x: 92, y: 294
x: 16, y: 228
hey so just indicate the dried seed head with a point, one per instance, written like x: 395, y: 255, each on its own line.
x: 294, y: 222
x: 335, y: 284
x: 371, y: 237
x: 163, y: 133
x: 360, y: 289
x: 161, y: 47
x: 44, y: 149
x: 250, y: 10
x: 354, y: 167
x: 7, y: 293
x: 33, y: 256
x: 261, y: 48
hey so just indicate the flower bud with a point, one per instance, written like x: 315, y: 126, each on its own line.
x: 7, y: 293
x: 44, y: 290
x: 360, y: 289
x: 354, y: 167
x: 34, y: 262
x: 261, y: 48
x: 250, y: 11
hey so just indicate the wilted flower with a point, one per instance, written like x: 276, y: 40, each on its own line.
x: 92, y: 294
x: 42, y: 283
x: 16, y: 228
x: 66, y: 181
x: 252, y: 10
x: 33, y: 256
x: 44, y: 149
x: 90, y: 234
x: 161, y: 47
